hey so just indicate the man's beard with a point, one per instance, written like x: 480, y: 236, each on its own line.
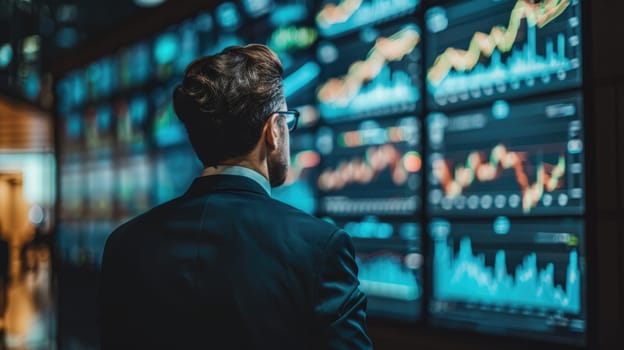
x: 278, y: 168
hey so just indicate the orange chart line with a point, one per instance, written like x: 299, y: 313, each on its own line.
x: 500, y: 38
x: 363, y: 171
x: 476, y: 168
x: 332, y: 13
x: 393, y: 48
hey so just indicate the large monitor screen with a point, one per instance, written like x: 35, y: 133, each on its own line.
x: 370, y: 167
x: 520, y: 158
x: 487, y: 49
x: 373, y: 74
x: 508, y: 276
x: 389, y: 258
x: 337, y: 18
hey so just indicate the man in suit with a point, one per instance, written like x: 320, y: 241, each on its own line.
x: 225, y: 266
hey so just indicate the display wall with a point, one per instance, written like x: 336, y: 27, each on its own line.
x: 447, y: 137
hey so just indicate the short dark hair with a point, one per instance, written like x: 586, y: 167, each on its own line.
x: 225, y: 100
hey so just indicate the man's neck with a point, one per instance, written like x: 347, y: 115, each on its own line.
x: 239, y: 170
x: 260, y: 168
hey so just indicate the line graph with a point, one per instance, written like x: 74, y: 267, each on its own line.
x: 539, y: 47
x: 371, y: 84
x: 477, y: 168
x: 335, y: 19
x: 363, y: 170
x: 508, y: 158
x: 500, y: 38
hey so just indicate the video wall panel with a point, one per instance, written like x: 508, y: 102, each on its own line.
x: 484, y: 50
x: 508, y: 158
x: 370, y: 167
x: 453, y: 128
x: 516, y: 277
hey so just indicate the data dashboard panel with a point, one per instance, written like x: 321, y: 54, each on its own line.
x: 516, y: 277
x: 373, y: 74
x: 509, y: 158
x: 336, y: 18
x: 370, y: 167
x: 482, y: 50
x: 390, y: 261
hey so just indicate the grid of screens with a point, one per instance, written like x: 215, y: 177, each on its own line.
x: 505, y: 168
x: 472, y: 148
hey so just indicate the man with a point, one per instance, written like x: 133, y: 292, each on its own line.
x: 225, y: 266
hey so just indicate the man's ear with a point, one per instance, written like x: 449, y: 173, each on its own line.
x: 272, y: 131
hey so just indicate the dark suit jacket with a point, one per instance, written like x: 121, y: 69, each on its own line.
x: 225, y: 266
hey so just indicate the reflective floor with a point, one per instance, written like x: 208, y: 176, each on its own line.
x: 28, y: 322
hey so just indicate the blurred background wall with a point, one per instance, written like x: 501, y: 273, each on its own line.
x: 100, y: 75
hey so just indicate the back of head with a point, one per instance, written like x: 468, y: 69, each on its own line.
x: 225, y: 100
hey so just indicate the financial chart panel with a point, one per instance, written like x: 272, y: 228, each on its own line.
x: 510, y: 277
x: 299, y: 190
x: 370, y: 167
x: 371, y: 74
x: 337, y: 18
x: 487, y: 49
x: 512, y: 158
x: 389, y: 259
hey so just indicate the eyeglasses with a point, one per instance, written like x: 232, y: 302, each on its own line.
x: 292, y: 118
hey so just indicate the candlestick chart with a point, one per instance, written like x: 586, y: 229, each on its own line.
x: 526, y: 161
x: 372, y: 167
x: 483, y: 50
